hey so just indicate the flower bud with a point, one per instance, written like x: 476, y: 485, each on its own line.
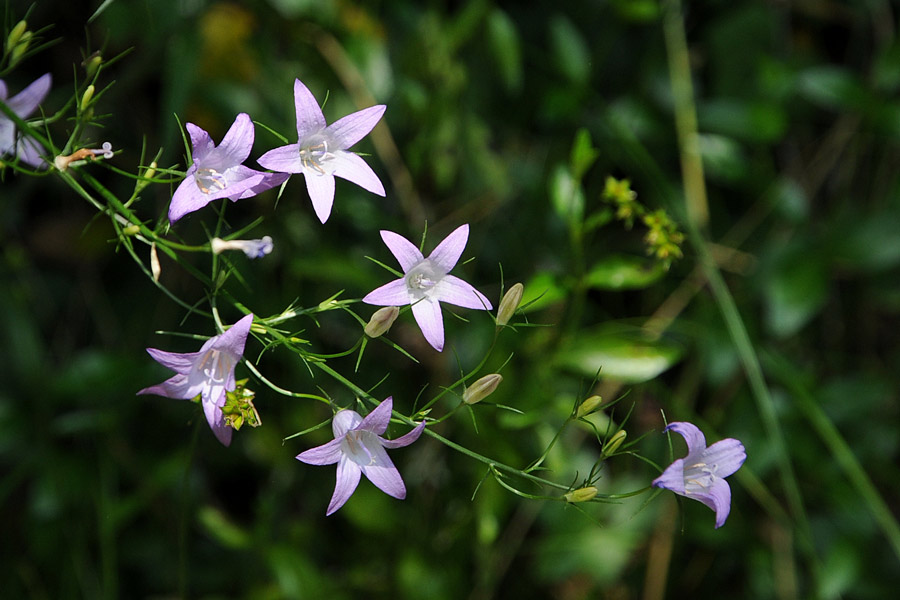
x: 482, y: 388
x: 131, y: 230
x: 614, y: 442
x: 509, y: 304
x: 86, y: 97
x: 15, y: 35
x: 155, y: 269
x: 21, y: 47
x: 381, y: 321
x: 91, y: 64
x: 581, y: 495
x: 588, y: 406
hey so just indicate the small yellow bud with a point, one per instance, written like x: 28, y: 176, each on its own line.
x: 581, y: 495
x: 482, y: 388
x: 131, y: 230
x: 86, y: 97
x: 92, y: 63
x: 20, y: 48
x: 614, y: 442
x: 588, y: 406
x: 381, y: 321
x: 151, y: 171
x: 509, y: 304
x: 155, y: 269
x: 15, y: 35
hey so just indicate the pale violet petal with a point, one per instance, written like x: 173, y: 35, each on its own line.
x: 403, y: 250
x: 384, y: 474
x: 284, y: 159
x: 377, y: 420
x: 348, y: 473
x: 177, y: 361
x: 447, y: 253
x: 348, y: 130
x: 351, y: 167
x: 25, y: 102
x: 405, y: 440
x: 672, y: 478
x: 718, y: 497
x: 223, y: 432
x: 201, y: 143
x: 232, y: 341
x: 321, y: 191
x: 344, y: 421
x: 725, y: 456
x: 177, y: 387
x: 309, y: 115
x: 238, y: 141
x: 696, y: 441
x: 395, y: 293
x: 428, y: 315
x: 326, y: 454
x: 454, y: 290
x: 268, y: 181
x: 29, y: 152
x: 187, y: 199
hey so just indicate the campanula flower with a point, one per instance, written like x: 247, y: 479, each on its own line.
x: 321, y: 151
x: 217, y: 171
x: 208, y: 373
x: 23, y: 104
x: 358, y: 448
x: 252, y: 248
x: 701, y: 474
x: 426, y: 283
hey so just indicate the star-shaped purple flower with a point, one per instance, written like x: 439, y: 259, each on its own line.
x: 358, y: 448
x: 208, y: 373
x: 23, y: 104
x: 426, y: 283
x: 217, y: 171
x: 701, y: 474
x: 321, y: 151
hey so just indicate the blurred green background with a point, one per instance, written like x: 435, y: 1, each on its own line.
x: 110, y: 495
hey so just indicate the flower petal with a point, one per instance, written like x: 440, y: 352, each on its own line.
x: 233, y: 340
x: 29, y: 152
x: 326, y: 454
x: 395, y: 293
x: 428, y: 315
x: 177, y: 361
x: 25, y: 102
x: 187, y: 199
x: 447, y: 253
x: 405, y: 440
x: 377, y: 420
x: 201, y: 143
x: 348, y: 473
x: 672, y: 478
x: 696, y: 441
x: 348, y: 130
x: 309, y: 115
x: 268, y: 181
x: 718, y: 497
x: 284, y: 159
x: 238, y: 141
x: 726, y: 455
x: 384, y: 474
x: 403, y: 250
x: 216, y: 421
x: 351, y: 167
x: 321, y: 191
x: 454, y: 290
x: 177, y: 387
x: 344, y: 421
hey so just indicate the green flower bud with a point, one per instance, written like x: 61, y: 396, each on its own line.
x: 509, y: 303
x: 20, y: 48
x: 131, y: 230
x: 15, y: 35
x: 155, y: 268
x: 588, y: 406
x: 581, y: 495
x: 91, y: 64
x: 86, y: 97
x: 482, y: 388
x: 381, y: 321
x: 614, y: 442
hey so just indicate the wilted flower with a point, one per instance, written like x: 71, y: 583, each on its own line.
x: 217, y: 171
x: 358, y: 448
x: 23, y: 104
x: 426, y: 283
x: 701, y: 474
x: 208, y: 373
x: 252, y: 248
x: 321, y: 151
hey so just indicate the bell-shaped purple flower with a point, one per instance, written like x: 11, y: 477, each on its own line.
x: 218, y: 172
x: 321, y: 151
x: 701, y: 474
x: 426, y: 283
x: 207, y: 373
x: 23, y: 104
x: 358, y: 448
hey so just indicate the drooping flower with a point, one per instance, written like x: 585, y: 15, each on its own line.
x: 208, y: 373
x: 23, y: 104
x: 217, y: 171
x: 426, y: 283
x: 321, y: 151
x: 701, y: 474
x: 358, y: 448
x: 252, y: 248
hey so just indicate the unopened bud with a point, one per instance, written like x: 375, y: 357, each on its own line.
x: 151, y: 171
x: 581, y: 495
x: 86, y: 97
x: 21, y: 48
x: 614, y: 442
x: 482, y: 388
x: 588, y: 406
x: 131, y: 230
x: 92, y: 63
x: 15, y: 35
x: 381, y: 321
x: 509, y: 304
x: 155, y: 269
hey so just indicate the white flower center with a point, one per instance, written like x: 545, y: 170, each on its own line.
x: 421, y: 279
x: 699, y: 477
x: 215, y: 366
x: 314, y: 152
x: 358, y: 445
x: 210, y: 180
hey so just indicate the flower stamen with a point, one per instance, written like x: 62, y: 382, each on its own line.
x: 209, y: 180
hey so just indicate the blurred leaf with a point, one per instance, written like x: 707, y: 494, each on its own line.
x: 789, y: 200
x: 751, y: 121
x: 569, y: 50
x: 566, y: 195
x: 869, y: 242
x: 723, y: 158
x: 541, y: 291
x: 626, y: 355
x: 833, y: 87
x: 506, y: 49
x: 624, y: 272
x: 584, y: 155
x: 219, y: 526
x: 796, y: 289
x: 639, y: 11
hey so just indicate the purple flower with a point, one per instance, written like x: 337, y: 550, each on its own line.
x: 426, y: 283
x: 217, y: 171
x: 357, y: 448
x: 208, y: 373
x: 321, y: 151
x: 23, y: 104
x: 701, y: 474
